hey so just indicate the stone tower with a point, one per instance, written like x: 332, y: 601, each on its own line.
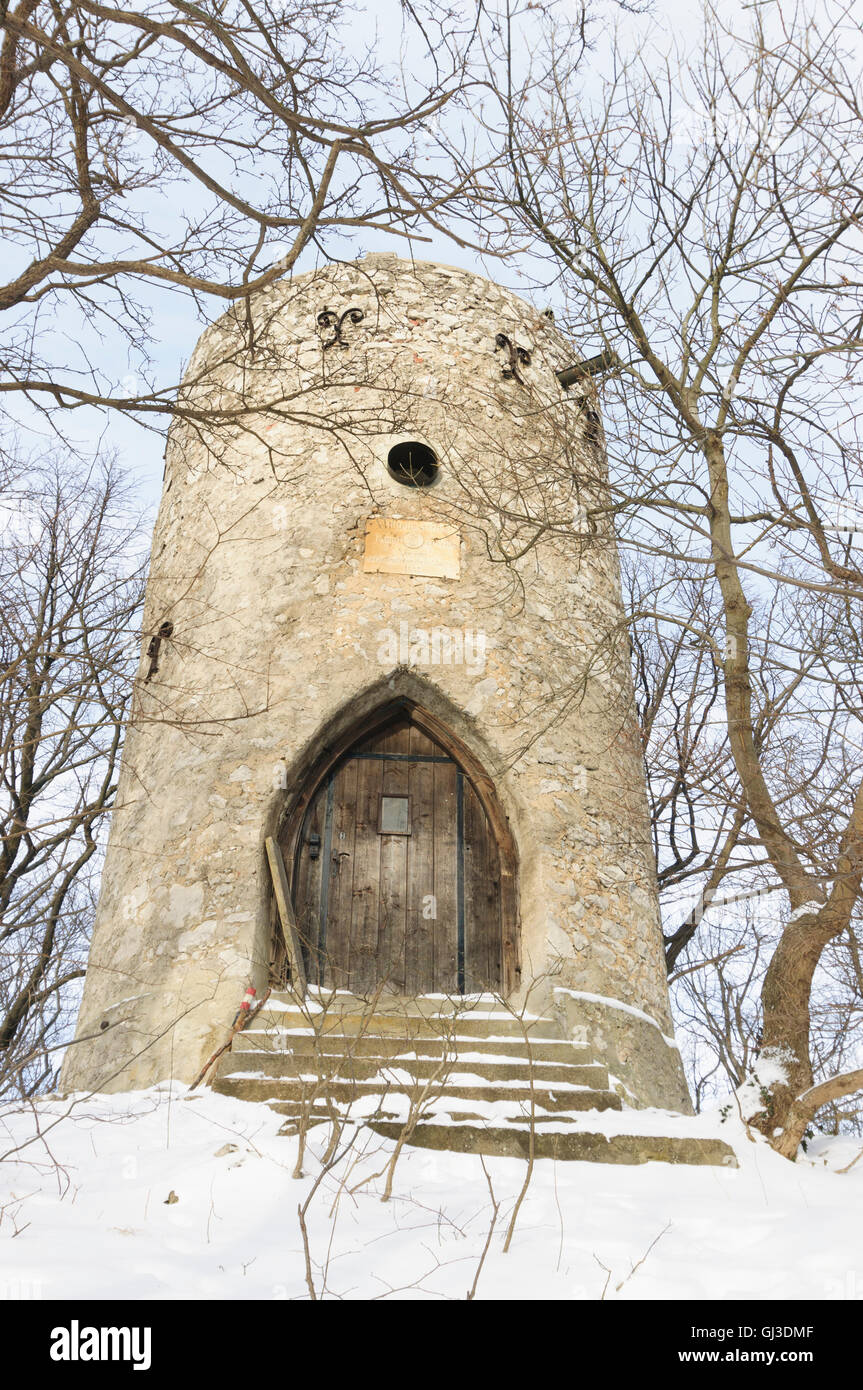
x: 384, y: 630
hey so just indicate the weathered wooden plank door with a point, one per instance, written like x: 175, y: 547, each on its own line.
x: 397, y: 874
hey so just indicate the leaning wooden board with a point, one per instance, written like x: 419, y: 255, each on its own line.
x: 286, y: 914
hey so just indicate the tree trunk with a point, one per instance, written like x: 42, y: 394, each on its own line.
x: 785, y: 1000
x: 804, y: 1108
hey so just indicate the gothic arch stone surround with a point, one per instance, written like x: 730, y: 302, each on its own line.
x: 399, y: 695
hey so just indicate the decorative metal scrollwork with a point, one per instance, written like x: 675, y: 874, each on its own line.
x: 327, y: 319
x: 518, y: 357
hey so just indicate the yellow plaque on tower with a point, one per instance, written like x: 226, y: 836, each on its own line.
x: 429, y: 548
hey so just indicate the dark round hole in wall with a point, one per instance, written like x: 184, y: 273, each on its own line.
x: 412, y: 464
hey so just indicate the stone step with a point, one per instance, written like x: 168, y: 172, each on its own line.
x: 395, y: 1005
x: 312, y: 1061
x: 509, y: 1136
x: 435, y: 1110
x: 460, y: 1086
x: 332, y: 1053
x: 500, y: 1025
x: 515, y: 1142
x: 276, y: 1040
x: 347, y: 1067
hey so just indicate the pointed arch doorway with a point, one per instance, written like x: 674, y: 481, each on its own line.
x: 402, y: 864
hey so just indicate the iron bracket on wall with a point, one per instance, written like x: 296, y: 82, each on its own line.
x: 327, y: 319
x: 518, y: 357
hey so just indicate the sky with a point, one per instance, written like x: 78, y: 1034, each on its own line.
x: 177, y: 324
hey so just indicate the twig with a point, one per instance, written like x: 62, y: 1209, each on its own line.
x: 495, y: 1208
x: 636, y: 1267
x: 306, y: 1251
x: 849, y: 1166
x: 242, y: 1022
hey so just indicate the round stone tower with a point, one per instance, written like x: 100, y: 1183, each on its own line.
x: 385, y: 655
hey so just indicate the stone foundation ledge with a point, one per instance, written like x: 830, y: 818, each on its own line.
x: 645, y: 1060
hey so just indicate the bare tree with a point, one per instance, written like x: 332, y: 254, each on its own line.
x: 701, y: 215
x: 70, y: 589
x: 201, y: 150
x: 722, y: 905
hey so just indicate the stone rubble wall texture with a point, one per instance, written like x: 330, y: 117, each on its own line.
x: 280, y: 635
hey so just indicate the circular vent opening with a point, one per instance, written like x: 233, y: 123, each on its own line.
x: 412, y: 464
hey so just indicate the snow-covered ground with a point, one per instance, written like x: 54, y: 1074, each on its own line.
x: 169, y: 1194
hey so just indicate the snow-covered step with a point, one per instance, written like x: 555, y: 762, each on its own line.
x: 570, y: 1143
x: 305, y: 1058
x: 394, y: 1024
x: 479, y: 1006
x: 275, y: 1040
x: 470, y: 1065
x: 562, y: 1096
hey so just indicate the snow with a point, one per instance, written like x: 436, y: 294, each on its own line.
x: 395, y: 1075
x: 768, y: 1072
x: 804, y: 909
x: 84, y: 1212
x: 272, y: 1035
x: 453, y: 1014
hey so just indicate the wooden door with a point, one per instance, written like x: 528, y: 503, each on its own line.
x: 397, y: 873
